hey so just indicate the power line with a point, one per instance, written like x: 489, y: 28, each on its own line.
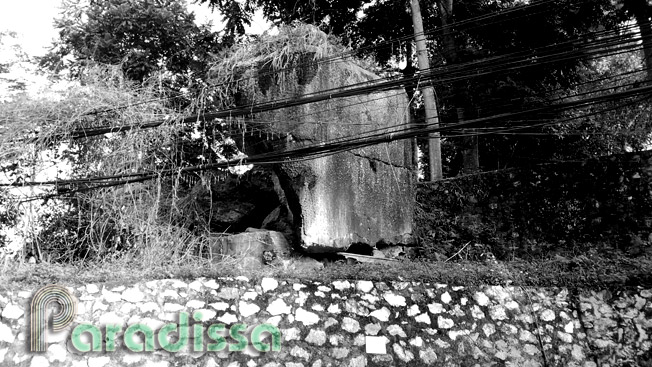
x: 340, y: 145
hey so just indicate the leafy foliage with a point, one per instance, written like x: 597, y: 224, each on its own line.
x: 143, y: 36
x: 544, y: 209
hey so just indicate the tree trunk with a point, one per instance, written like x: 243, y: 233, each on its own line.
x: 432, y: 118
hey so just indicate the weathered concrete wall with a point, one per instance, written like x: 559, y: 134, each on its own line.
x: 353, y: 323
x: 365, y: 195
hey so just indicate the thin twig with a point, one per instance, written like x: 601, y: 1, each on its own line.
x: 536, y: 323
x: 458, y: 252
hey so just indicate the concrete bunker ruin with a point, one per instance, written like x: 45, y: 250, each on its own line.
x: 327, y: 203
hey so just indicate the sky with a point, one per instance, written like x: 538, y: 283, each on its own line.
x: 33, y: 21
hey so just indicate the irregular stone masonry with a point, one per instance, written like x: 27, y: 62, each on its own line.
x: 353, y: 323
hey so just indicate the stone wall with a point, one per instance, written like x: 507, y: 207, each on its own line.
x: 543, y: 208
x: 351, y: 323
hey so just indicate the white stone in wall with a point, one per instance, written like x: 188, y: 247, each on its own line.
x: 403, y: 354
x: 99, y: 361
x: 497, y: 312
x: 330, y: 322
x: 527, y: 336
x: 511, y: 305
x: 220, y: 306
x: 481, y: 298
x: 228, y: 293
x: 350, y: 325
x: 274, y: 320
x: 334, y: 308
x: 416, y: 341
x: 249, y: 296
x: 396, y: 330
x: 211, y: 283
x: 531, y: 349
x: 268, y: 284
x: 56, y: 352
x: 423, y: 318
x: 132, y: 358
x: 6, y: 334
x: 278, y: 307
x: 317, y: 337
x: 127, y: 308
x: 370, y: 298
x: 436, y: 308
x: 172, y: 307
x: 3, y: 353
x: 301, y: 299
x: 359, y: 361
x: 444, y: 323
x: 195, y: 304
x: 111, y: 318
x: 428, y: 356
x: 228, y: 318
x: 341, y: 285
x: 11, y: 311
x: 413, y: 310
x: 20, y: 358
x: 335, y: 339
x: 195, y: 285
x: 453, y: 334
x: 206, y: 314
x: 382, y: 314
x: 565, y: 337
x: 299, y: 352
x: 547, y: 315
x: 155, y: 324
x: 99, y: 306
x: 248, y: 309
x: 320, y: 294
x: 323, y: 288
x: 133, y: 295
x: 364, y: 286
x: 170, y: 293
x: 446, y: 297
x: 476, y: 312
x: 291, y: 334
x: 111, y: 297
x: 488, y: 329
x: 317, y: 307
x: 394, y: 299
x: 376, y: 344
x: 577, y: 353
x: 340, y: 353
x: 39, y: 361
x: 306, y: 317
x: 92, y: 288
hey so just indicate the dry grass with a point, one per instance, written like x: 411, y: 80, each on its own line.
x: 604, y: 274
x: 111, y: 227
x: 237, y: 69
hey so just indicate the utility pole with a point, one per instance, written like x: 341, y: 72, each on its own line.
x: 432, y: 119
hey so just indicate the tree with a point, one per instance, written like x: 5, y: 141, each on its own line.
x: 143, y: 36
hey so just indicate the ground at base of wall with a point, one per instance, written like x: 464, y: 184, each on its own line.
x: 577, y: 272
